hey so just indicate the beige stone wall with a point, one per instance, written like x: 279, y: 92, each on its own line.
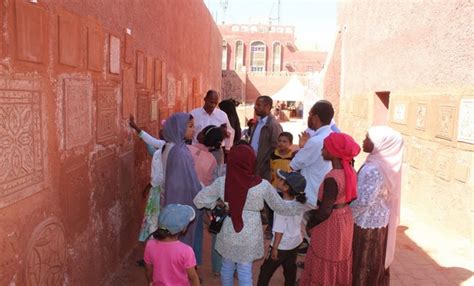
x: 422, y: 54
x: 438, y: 170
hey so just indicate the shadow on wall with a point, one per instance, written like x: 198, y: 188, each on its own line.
x: 239, y: 87
x: 251, y: 91
x: 413, y: 266
x: 233, y: 86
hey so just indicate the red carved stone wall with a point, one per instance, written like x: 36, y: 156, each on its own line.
x: 71, y: 170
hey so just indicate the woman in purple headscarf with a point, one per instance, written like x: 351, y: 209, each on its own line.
x: 181, y: 181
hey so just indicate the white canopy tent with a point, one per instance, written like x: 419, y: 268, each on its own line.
x: 293, y: 90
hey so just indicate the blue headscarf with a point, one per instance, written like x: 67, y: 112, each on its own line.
x: 181, y: 181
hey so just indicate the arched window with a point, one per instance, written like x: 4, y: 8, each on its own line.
x: 224, y: 55
x: 276, y: 57
x: 258, y: 56
x: 239, y: 55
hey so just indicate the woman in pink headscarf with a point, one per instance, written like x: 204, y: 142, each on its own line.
x: 377, y: 209
x: 329, y: 257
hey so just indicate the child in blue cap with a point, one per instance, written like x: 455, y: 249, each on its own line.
x: 169, y: 261
x: 287, y: 231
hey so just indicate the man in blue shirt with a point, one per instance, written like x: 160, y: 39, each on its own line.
x: 264, y: 140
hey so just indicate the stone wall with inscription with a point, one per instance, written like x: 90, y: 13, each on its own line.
x: 391, y: 49
x: 71, y: 170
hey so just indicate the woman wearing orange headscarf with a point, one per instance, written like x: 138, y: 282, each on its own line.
x: 329, y: 257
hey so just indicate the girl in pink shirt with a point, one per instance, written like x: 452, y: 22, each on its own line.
x: 169, y: 262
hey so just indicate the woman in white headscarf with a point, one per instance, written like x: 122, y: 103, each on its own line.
x: 377, y: 208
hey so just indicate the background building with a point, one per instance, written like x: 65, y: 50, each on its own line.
x: 258, y: 60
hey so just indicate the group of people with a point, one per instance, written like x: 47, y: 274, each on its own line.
x: 313, y: 198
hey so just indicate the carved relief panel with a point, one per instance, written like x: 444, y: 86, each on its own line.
x: 195, y: 91
x: 69, y: 39
x: 140, y: 68
x: 154, y: 108
x: 114, y: 55
x: 106, y: 113
x: 444, y: 165
x: 158, y: 75
x: 105, y: 180
x: 129, y: 49
x: 171, y: 90
x: 31, y: 31
x: 21, y: 160
x: 466, y: 121
x: 150, y: 78
x: 420, y: 123
x: 77, y: 112
x: 143, y: 109
x: 400, y: 113
x: 445, y: 122
x: 179, y: 96
x: 95, y: 48
x: 128, y: 92
x: 46, y: 255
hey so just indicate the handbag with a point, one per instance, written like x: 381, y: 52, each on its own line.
x: 218, y: 216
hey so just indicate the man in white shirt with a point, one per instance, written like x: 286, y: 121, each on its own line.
x: 309, y: 159
x: 210, y: 115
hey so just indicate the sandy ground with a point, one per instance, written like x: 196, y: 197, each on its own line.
x: 423, y: 257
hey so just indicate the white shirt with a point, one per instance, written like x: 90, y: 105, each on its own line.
x: 370, y: 210
x: 333, y: 126
x: 256, y: 133
x: 228, y: 142
x: 290, y: 226
x: 217, y: 118
x: 157, y: 175
x: 310, y: 161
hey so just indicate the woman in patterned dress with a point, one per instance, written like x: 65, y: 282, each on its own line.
x: 240, y: 241
x: 377, y: 208
x: 329, y: 257
x: 152, y: 209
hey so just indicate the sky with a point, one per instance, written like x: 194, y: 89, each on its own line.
x: 314, y: 20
